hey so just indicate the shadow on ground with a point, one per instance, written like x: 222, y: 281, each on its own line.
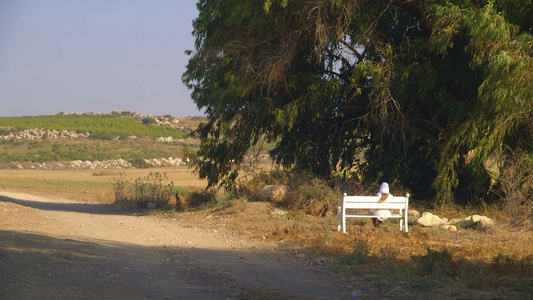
x: 103, y: 209
x: 41, y: 267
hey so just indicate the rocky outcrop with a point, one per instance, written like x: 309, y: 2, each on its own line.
x: 273, y: 193
x: 165, y: 162
x: 428, y: 219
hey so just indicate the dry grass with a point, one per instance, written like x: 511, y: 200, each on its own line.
x: 471, y: 263
x: 86, y: 185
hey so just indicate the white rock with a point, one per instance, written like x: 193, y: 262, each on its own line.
x: 428, y: 219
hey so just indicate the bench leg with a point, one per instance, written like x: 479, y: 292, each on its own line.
x: 339, y: 216
x: 343, y: 221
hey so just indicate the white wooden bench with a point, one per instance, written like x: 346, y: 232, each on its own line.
x: 353, y: 205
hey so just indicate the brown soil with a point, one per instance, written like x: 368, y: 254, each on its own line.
x: 59, y: 249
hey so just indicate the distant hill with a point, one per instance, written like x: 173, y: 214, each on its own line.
x: 116, y: 123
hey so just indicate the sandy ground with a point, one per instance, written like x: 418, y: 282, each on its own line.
x: 58, y: 249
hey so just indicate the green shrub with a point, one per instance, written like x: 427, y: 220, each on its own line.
x: 390, y: 254
x: 360, y: 254
x: 202, y: 198
x: 153, y: 187
x: 252, y: 181
x: 516, y: 187
x: 119, y: 187
x: 149, y: 120
x: 314, y: 197
x: 5, y: 130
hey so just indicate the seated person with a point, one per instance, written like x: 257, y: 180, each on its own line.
x: 382, y: 214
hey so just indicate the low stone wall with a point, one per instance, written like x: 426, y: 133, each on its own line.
x: 37, y: 134
x: 105, y: 164
x: 165, y: 162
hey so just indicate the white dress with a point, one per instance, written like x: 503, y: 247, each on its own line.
x: 383, y: 214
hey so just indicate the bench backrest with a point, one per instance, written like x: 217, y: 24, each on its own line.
x: 371, y: 202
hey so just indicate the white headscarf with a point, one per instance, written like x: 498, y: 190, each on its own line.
x: 384, y: 189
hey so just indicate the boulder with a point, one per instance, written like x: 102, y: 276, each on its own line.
x: 428, y: 219
x: 273, y: 193
x: 414, y: 213
x: 482, y: 222
x: 449, y: 227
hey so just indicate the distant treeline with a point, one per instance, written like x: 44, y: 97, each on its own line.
x: 101, y: 126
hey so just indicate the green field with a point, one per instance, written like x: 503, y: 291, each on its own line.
x: 97, y: 125
x: 52, y: 150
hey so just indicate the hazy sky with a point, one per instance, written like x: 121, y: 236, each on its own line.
x: 95, y: 56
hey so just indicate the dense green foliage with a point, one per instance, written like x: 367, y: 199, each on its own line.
x: 98, y: 125
x: 426, y: 91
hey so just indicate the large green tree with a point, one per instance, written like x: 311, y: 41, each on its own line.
x: 425, y: 90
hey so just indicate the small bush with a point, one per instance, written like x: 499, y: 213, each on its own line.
x: 119, y: 187
x: 5, y: 130
x: 252, y: 181
x: 360, y: 254
x: 313, y: 197
x: 150, y: 188
x: 307, y: 194
x: 390, y: 255
x: 202, y: 198
x: 517, y: 187
x: 149, y: 120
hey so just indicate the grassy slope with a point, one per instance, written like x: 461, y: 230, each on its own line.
x: 49, y: 150
x: 94, y: 124
x: 102, y: 126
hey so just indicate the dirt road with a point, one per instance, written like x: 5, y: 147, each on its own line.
x: 58, y: 249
